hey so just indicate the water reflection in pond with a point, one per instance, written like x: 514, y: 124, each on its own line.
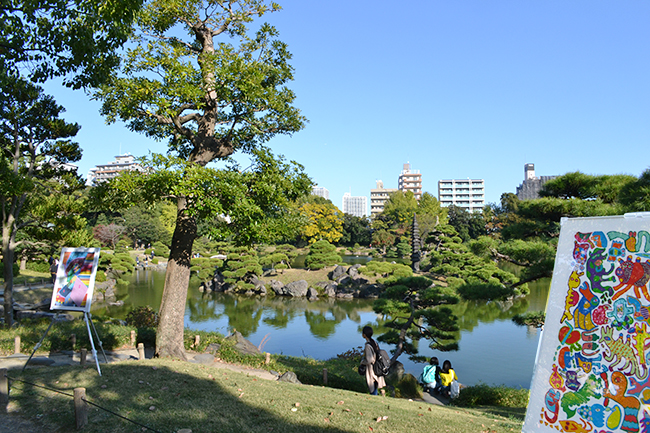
x: 492, y: 349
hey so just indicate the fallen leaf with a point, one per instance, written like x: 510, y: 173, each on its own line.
x: 152, y: 407
x: 331, y: 413
x: 294, y: 409
x: 340, y: 402
x: 360, y: 414
x: 327, y: 420
x: 241, y: 395
x: 429, y: 409
x: 297, y: 404
x: 420, y: 414
x: 371, y: 429
x: 384, y: 418
x: 346, y: 410
x: 239, y: 389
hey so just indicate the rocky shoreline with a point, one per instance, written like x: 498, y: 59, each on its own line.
x: 344, y: 282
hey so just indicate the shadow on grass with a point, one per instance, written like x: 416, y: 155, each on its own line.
x: 517, y: 413
x: 167, y: 399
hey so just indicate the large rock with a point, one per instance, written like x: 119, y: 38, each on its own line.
x: 344, y: 280
x: 277, y: 287
x: 370, y: 291
x: 312, y: 293
x: 204, y: 358
x: 322, y: 284
x: 395, y: 373
x: 330, y: 290
x: 337, y: 272
x: 354, y: 271
x: 297, y: 289
x: 290, y: 377
x: 243, y: 345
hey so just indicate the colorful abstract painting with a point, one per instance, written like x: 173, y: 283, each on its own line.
x: 592, y: 369
x: 75, y: 279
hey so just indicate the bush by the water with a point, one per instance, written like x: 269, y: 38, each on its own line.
x: 485, y: 395
x: 321, y: 254
x: 388, y: 271
x: 142, y: 317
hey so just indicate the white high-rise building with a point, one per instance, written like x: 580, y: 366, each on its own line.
x: 466, y: 193
x: 321, y: 192
x: 103, y: 172
x: 357, y: 206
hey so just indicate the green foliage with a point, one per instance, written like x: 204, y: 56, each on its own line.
x: 466, y: 265
x: 142, y: 317
x: 356, y: 231
x: 417, y: 309
x: 40, y: 199
x: 38, y: 266
x: 469, y: 225
x: 15, y: 268
x: 321, y: 254
x: 160, y: 249
x: 582, y: 186
x: 204, y: 268
x: 635, y: 196
x: 241, y: 264
x: 389, y: 272
x: 155, y: 261
x: 499, y: 396
x: 532, y: 318
x: 76, y: 39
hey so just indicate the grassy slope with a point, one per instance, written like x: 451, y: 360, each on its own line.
x: 170, y: 395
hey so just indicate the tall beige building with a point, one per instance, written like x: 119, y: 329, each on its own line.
x: 410, y: 180
x: 378, y: 197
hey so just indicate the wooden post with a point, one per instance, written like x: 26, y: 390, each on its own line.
x: 73, y: 340
x: 324, y: 376
x: 84, y: 353
x: 17, y: 345
x: 197, y: 340
x: 4, y: 388
x: 80, y: 408
x: 140, y: 351
x: 268, y: 358
x: 133, y: 338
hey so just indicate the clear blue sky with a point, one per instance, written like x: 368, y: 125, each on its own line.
x: 459, y: 89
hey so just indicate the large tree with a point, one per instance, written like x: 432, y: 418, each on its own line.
x: 196, y: 74
x: 36, y: 188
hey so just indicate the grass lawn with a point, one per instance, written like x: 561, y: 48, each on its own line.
x: 168, y: 395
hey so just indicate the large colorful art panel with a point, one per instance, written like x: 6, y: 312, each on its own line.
x: 75, y: 279
x: 592, y: 369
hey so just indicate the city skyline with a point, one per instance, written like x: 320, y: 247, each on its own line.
x: 472, y: 89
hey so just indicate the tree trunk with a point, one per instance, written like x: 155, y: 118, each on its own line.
x: 8, y: 272
x: 169, y: 336
x: 23, y: 262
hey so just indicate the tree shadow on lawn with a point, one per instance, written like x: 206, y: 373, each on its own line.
x: 518, y: 413
x: 169, y: 398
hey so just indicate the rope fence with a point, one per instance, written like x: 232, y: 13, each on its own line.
x: 79, y: 396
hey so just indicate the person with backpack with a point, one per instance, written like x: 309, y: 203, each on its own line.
x: 371, y: 353
x: 430, y: 377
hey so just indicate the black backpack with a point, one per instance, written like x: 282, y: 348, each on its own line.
x: 382, y: 361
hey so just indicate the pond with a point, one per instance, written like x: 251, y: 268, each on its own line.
x: 492, y: 349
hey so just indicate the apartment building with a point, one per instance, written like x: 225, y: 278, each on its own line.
x: 467, y: 193
x: 410, y: 180
x: 357, y: 206
x: 103, y: 172
x: 321, y: 192
x: 378, y: 197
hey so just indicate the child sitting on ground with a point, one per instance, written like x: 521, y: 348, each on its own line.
x: 430, y: 375
x: 447, y: 376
